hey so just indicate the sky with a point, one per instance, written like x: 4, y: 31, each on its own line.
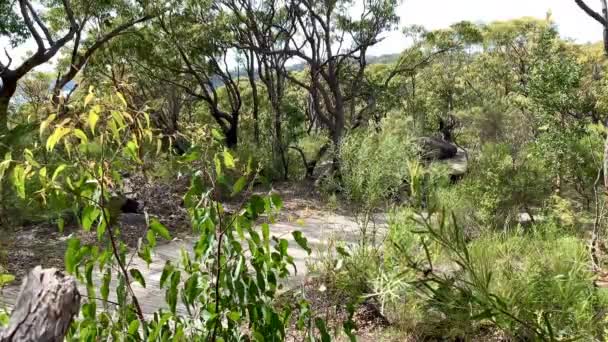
x: 434, y: 14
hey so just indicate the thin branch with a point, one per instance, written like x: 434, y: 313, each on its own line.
x: 593, y: 14
x: 23, y: 5
x: 42, y: 26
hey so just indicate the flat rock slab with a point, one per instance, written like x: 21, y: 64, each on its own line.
x: 322, y: 229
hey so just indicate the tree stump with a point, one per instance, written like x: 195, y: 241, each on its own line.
x: 47, y: 302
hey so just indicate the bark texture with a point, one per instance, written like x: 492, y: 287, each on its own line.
x: 47, y: 302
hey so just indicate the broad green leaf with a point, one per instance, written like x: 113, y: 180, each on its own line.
x: 89, y: 215
x: 90, y: 96
x: 277, y: 202
x: 239, y: 185
x: 105, y: 285
x: 133, y: 326
x: 45, y: 123
x: 122, y: 99
x: 6, y: 279
x: 167, y: 272
x: 57, y: 135
x: 58, y: 171
x: 145, y: 254
x: 234, y: 315
x: 229, y: 159
x: 60, y: 224
x: 3, y: 167
x: 93, y: 118
x: 217, y: 135
x: 301, y: 241
x: 151, y: 237
x: 218, y: 166
x: 81, y: 135
x: 4, y: 318
x: 71, y: 255
x: 159, y: 229
x: 19, y: 180
x: 132, y: 149
x: 29, y: 157
x: 138, y: 276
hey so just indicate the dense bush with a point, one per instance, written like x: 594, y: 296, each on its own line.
x: 374, y: 161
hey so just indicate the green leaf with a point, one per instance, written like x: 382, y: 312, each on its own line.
x: 93, y: 118
x: 29, y: 157
x: 133, y: 327
x: 6, y: 279
x: 4, y: 318
x: 266, y: 232
x: 90, y: 96
x: 167, y: 271
x: 60, y: 224
x: 343, y: 252
x: 239, y: 185
x: 58, y: 171
x: 151, y: 237
x: 159, y: 229
x: 72, y: 255
x: 132, y: 149
x: 229, y: 159
x: 235, y: 316
x: 145, y: 254
x: 138, y: 277
x: 218, y: 166
x: 301, y: 241
x: 89, y: 216
x: 57, y: 135
x: 5, y: 164
x: 320, y: 324
x: 217, y: 135
x: 122, y: 99
x: 277, y: 202
x: 45, y: 123
x: 81, y: 135
x: 101, y: 229
x: 105, y: 285
x: 19, y: 180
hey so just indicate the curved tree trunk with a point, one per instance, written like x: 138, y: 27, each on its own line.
x: 7, y: 90
x: 45, y: 307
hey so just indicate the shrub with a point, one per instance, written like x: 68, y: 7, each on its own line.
x: 498, y: 187
x: 534, y: 285
x: 227, y: 285
x: 374, y: 161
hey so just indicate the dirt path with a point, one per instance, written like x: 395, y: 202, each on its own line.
x: 321, y: 228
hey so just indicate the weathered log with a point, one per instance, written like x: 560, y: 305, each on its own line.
x: 46, y: 305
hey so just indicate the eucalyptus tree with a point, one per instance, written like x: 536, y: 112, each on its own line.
x: 87, y: 24
x: 260, y: 26
x: 187, y: 47
x: 327, y: 38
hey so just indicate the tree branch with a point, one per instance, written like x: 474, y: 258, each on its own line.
x: 593, y: 14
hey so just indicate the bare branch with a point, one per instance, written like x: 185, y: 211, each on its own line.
x: 593, y: 14
x: 23, y: 5
x: 42, y: 26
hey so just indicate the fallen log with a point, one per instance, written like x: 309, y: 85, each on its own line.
x: 44, y: 309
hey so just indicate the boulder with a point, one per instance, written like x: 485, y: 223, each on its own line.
x: 437, y: 148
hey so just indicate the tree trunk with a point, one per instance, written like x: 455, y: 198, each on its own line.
x: 9, y: 87
x: 44, y: 309
x: 254, y: 95
x: 232, y: 136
